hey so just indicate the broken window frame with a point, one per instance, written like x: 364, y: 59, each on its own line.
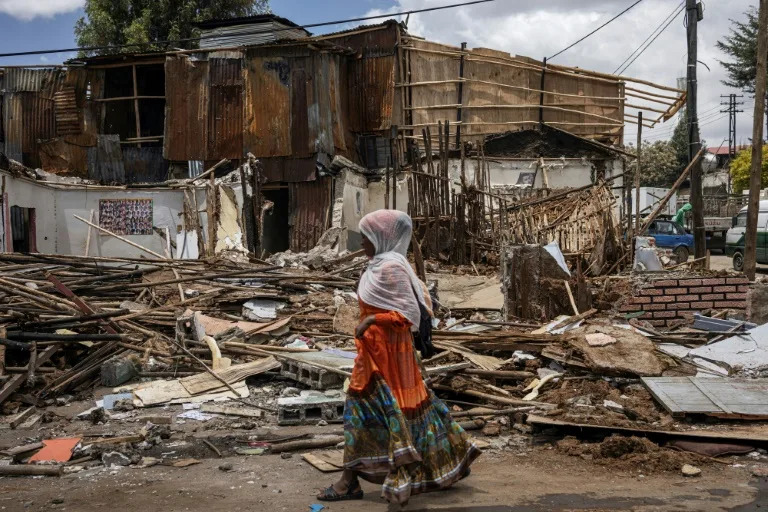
x: 136, y: 98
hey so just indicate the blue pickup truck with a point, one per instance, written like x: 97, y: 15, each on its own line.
x: 671, y: 235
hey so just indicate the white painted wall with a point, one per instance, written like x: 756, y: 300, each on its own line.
x: 58, y: 232
x: 561, y: 173
x: 361, y: 198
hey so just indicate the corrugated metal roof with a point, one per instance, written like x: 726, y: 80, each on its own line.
x: 244, y: 35
x: 30, y: 80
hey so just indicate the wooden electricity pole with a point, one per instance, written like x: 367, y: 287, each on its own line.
x: 697, y: 202
x: 750, y: 243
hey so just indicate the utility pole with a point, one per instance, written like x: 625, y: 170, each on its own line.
x: 693, y: 11
x: 753, y: 206
x: 731, y: 110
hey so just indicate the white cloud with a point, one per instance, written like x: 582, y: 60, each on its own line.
x: 43, y: 58
x: 538, y: 29
x: 29, y: 9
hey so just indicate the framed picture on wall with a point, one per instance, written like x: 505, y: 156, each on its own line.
x: 126, y: 216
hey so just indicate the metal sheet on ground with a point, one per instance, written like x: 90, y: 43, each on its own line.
x: 721, y: 397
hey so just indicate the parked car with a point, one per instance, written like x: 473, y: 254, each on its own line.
x: 734, y: 238
x: 671, y: 235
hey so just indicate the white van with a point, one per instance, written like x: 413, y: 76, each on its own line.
x: 734, y: 238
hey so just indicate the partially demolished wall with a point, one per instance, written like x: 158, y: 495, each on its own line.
x: 667, y: 302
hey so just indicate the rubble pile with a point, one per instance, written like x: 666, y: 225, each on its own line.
x: 136, y: 362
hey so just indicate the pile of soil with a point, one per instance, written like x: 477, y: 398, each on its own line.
x: 628, y: 454
x: 638, y: 404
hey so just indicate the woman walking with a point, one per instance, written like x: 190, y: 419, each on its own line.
x: 397, y: 433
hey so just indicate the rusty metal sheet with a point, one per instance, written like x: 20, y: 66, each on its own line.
x: 12, y: 126
x: 309, y: 204
x: 68, y: 118
x: 186, y: 108
x: 32, y: 79
x: 67, y: 154
x: 267, y: 117
x: 225, y: 117
x: 319, y: 106
x: 105, y: 161
x: 38, y: 122
x: 299, y: 117
x: 371, y: 90
x: 338, y: 120
x: 144, y: 165
x: 289, y: 169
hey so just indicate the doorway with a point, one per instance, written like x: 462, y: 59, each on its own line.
x: 23, y: 236
x: 275, y: 235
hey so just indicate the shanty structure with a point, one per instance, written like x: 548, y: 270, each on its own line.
x: 265, y: 87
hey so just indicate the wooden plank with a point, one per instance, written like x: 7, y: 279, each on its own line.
x: 204, y: 382
x: 328, y: 461
x: 739, y: 437
x: 17, y: 380
x: 228, y: 410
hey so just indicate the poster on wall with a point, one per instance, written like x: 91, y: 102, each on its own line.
x: 126, y: 216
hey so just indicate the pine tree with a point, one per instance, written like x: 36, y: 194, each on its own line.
x: 741, y: 45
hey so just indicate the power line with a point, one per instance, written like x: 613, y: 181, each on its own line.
x: 649, y: 36
x: 651, y: 41
x: 251, y: 32
x: 598, y: 28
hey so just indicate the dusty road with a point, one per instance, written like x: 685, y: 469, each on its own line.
x: 722, y: 262
x: 537, y: 480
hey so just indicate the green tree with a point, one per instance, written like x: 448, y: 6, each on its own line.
x: 659, y: 165
x: 741, y: 45
x: 740, y: 170
x: 116, y: 22
x: 679, y: 140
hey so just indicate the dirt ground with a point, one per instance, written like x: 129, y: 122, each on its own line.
x: 538, y: 480
x: 722, y: 262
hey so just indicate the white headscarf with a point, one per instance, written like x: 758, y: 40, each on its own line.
x: 389, y: 282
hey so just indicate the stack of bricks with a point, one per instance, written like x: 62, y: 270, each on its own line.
x: 666, y: 302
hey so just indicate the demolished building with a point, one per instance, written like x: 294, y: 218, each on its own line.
x: 296, y: 102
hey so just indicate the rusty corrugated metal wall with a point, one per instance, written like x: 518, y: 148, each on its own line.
x: 225, y: 116
x: 370, y: 78
x: 309, y: 206
x: 186, y: 108
x: 28, y: 110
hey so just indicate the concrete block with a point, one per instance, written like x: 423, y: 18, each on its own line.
x: 310, y: 407
x: 316, y: 378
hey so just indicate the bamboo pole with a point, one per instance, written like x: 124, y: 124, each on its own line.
x: 88, y: 237
x: 108, y: 232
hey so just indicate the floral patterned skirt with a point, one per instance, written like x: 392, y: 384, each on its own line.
x: 411, y: 451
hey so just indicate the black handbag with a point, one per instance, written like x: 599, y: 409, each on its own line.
x: 422, y: 339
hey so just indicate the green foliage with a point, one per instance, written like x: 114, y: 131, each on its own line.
x: 741, y: 46
x: 740, y: 167
x: 115, y: 22
x: 658, y: 167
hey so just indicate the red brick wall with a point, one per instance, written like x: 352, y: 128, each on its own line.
x: 667, y: 301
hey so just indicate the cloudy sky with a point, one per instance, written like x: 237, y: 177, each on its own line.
x: 523, y: 27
